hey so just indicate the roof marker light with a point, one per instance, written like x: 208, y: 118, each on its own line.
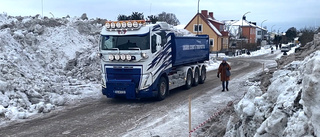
x: 135, y: 24
x: 113, y: 25
x: 108, y: 25
x: 129, y: 24
x: 118, y: 24
x: 124, y: 24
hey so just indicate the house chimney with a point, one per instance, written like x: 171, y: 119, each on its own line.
x: 211, y: 14
x: 204, y: 13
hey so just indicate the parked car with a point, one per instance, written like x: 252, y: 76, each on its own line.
x: 298, y: 48
x: 291, y: 44
x: 285, y: 48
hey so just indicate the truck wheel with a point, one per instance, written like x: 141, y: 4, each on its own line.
x: 203, y: 75
x: 188, y: 80
x: 196, y: 77
x: 162, y: 89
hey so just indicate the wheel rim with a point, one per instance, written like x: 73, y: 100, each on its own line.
x: 163, y: 88
x: 203, y: 76
x: 196, y: 77
x: 189, y: 79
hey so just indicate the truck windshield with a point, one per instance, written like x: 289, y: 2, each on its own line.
x: 125, y: 42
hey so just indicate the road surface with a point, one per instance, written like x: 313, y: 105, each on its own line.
x: 115, y: 117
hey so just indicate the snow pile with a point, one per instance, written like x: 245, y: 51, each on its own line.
x: 45, y: 63
x: 179, y: 31
x: 290, y: 107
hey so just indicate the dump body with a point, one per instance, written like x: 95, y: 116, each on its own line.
x: 190, y: 49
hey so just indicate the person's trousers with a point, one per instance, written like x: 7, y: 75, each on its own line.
x: 223, y: 85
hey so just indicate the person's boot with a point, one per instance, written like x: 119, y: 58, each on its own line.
x: 222, y: 90
x: 227, y: 89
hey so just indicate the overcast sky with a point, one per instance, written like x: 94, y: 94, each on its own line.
x: 281, y: 14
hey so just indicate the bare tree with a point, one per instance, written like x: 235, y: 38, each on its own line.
x: 170, y: 18
x: 133, y: 16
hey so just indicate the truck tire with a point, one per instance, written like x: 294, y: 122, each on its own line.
x: 196, y: 77
x: 203, y: 75
x: 162, y: 89
x: 188, y: 80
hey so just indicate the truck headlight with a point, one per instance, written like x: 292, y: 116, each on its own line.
x: 117, y: 57
x: 123, y: 57
x: 111, y: 57
x: 128, y: 57
x: 144, y: 55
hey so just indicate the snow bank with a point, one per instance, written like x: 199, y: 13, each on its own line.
x: 45, y: 63
x: 290, y: 107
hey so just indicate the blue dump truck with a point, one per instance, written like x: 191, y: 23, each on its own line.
x: 140, y: 60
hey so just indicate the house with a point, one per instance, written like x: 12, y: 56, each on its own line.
x: 247, y: 28
x: 261, y: 34
x: 243, y: 34
x: 204, y: 23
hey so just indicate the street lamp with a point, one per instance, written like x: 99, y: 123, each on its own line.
x: 262, y: 35
x: 278, y: 30
x: 198, y: 18
x: 272, y: 27
x: 42, y: 7
x: 242, y: 28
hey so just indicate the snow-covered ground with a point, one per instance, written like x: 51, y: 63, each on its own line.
x: 48, y: 63
x: 290, y: 107
x: 45, y: 63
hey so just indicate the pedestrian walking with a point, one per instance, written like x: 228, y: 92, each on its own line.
x: 224, y: 72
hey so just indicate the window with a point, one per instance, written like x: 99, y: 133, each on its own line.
x: 196, y: 27
x: 253, y: 31
x: 153, y: 43
x: 259, y: 32
x: 212, y: 43
x: 163, y: 38
x: 128, y: 42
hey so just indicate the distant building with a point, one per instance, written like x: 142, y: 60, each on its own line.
x: 204, y: 23
x: 261, y: 34
x: 247, y: 30
x: 243, y: 32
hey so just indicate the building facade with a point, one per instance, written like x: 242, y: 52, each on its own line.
x: 205, y: 23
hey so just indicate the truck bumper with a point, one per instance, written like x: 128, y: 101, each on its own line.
x: 126, y: 89
x: 120, y: 88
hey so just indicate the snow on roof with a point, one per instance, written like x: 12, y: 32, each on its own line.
x: 261, y: 28
x: 211, y: 19
x: 243, y: 23
x: 214, y: 28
